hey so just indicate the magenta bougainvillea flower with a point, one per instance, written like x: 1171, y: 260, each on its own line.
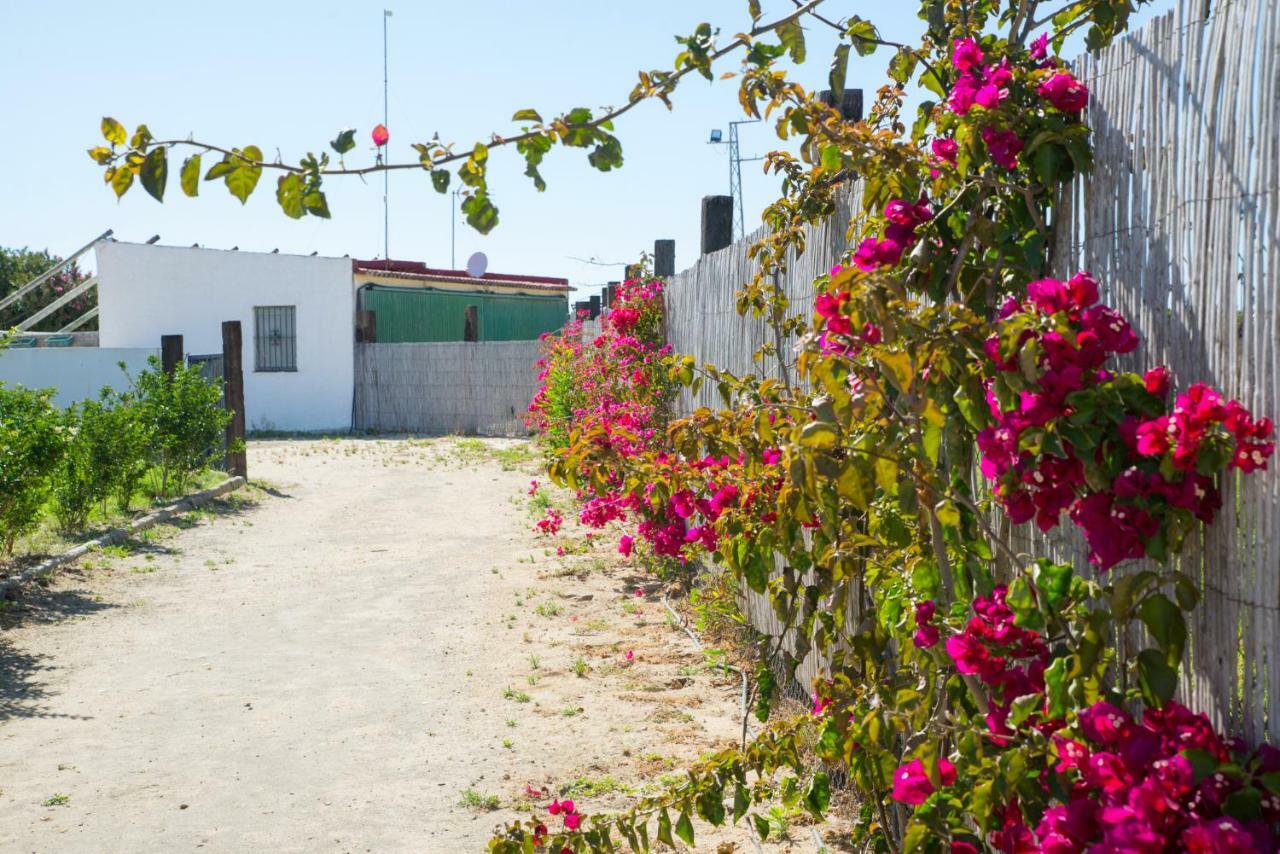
x: 911, y: 783
x: 1065, y: 92
x: 380, y: 135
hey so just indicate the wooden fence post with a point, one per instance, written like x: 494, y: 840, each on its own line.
x: 664, y: 258
x: 471, y: 323
x: 233, y: 397
x: 717, y: 222
x: 170, y: 353
x: 366, y: 327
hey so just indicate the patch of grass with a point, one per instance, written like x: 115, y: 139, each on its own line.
x: 532, y: 679
x: 473, y: 800
x: 508, y: 744
x: 511, y: 722
x: 548, y: 610
x: 569, y: 711
x: 56, y: 800
x: 534, y: 662
x: 517, y: 696
x: 595, y: 787
x: 581, y: 668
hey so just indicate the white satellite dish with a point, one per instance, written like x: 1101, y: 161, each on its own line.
x: 477, y: 264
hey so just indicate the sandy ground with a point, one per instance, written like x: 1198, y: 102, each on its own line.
x: 373, y: 653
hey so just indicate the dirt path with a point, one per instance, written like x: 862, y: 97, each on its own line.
x: 377, y: 657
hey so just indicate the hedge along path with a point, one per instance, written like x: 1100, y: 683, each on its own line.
x: 327, y: 671
x: 116, y: 535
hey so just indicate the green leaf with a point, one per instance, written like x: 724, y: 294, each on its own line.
x: 289, y: 190
x: 154, y: 173
x: 1156, y: 678
x: 818, y: 796
x: 527, y: 116
x: 244, y: 174
x: 762, y: 826
x: 1165, y: 622
x: 753, y: 7
x: 864, y: 35
x: 839, y: 73
x: 141, y: 138
x: 112, y: 131
x: 741, y: 802
x: 903, y: 65
x: 344, y: 141
x: 122, y: 180
x: 684, y: 827
x: 315, y: 203
x: 791, y: 34
x: 1021, y: 599
x: 1055, y: 683
x: 190, y: 177
x: 711, y: 806
x: 440, y: 179
x: 481, y: 214
x: 820, y: 435
x: 1024, y: 707
x: 831, y: 158
x: 664, y: 829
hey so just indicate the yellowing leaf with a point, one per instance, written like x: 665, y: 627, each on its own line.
x: 112, y: 131
x: 898, y: 366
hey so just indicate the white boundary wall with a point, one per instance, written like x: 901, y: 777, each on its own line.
x: 78, y: 373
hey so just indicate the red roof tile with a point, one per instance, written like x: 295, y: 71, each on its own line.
x: 416, y: 270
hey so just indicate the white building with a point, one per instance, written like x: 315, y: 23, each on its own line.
x: 296, y: 317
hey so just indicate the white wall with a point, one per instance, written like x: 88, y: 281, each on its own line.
x: 148, y: 291
x: 78, y: 373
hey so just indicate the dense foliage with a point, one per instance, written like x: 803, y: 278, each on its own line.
x: 948, y: 389
x: 19, y: 266
x: 69, y: 462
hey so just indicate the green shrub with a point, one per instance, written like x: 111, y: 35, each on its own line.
x: 31, y: 445
x: 185, y: 418
x: 108, y: 453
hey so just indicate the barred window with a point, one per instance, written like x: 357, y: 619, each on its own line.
x: 275, y: 341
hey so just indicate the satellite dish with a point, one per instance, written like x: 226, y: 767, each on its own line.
x: 477, y: 264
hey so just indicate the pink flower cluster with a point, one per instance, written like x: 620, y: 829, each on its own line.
x: 1071, y: 401
x: 980, y: 83
x: 904, y: 218
x: 1132, y: 787
x: 837, y: 329
x: 911, y: 783
x: 572, y: 818
x: 1009, y: 660
x: 550, y: 524
x: 986, y: 84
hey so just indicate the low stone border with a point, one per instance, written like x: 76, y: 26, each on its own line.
x: 115, y: 535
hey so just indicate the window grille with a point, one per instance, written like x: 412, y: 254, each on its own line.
x: 275, y: 341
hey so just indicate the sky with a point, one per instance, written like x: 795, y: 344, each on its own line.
x: 286, y: 76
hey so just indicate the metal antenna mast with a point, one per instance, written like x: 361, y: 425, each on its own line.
x: 386, y: 175
x: 735, y: 174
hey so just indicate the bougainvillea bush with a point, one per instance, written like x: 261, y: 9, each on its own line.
x: 947, y: 386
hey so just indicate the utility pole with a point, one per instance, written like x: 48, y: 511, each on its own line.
x: 386, y: 174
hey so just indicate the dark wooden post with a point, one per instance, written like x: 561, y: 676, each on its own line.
x: 594, y: 301
x: 664, y: 258
x: 170, y: 353
x: 366, y: 327
x: 233, y: 398
x: 850, y: 105
x: 471, y: 324
x: 717, y: 222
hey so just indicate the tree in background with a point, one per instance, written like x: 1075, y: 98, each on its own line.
x: 19, y: 266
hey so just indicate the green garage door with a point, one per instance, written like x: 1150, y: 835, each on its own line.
x: 406, y: 315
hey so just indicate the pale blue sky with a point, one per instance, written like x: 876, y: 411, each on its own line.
x: 290, y: 74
